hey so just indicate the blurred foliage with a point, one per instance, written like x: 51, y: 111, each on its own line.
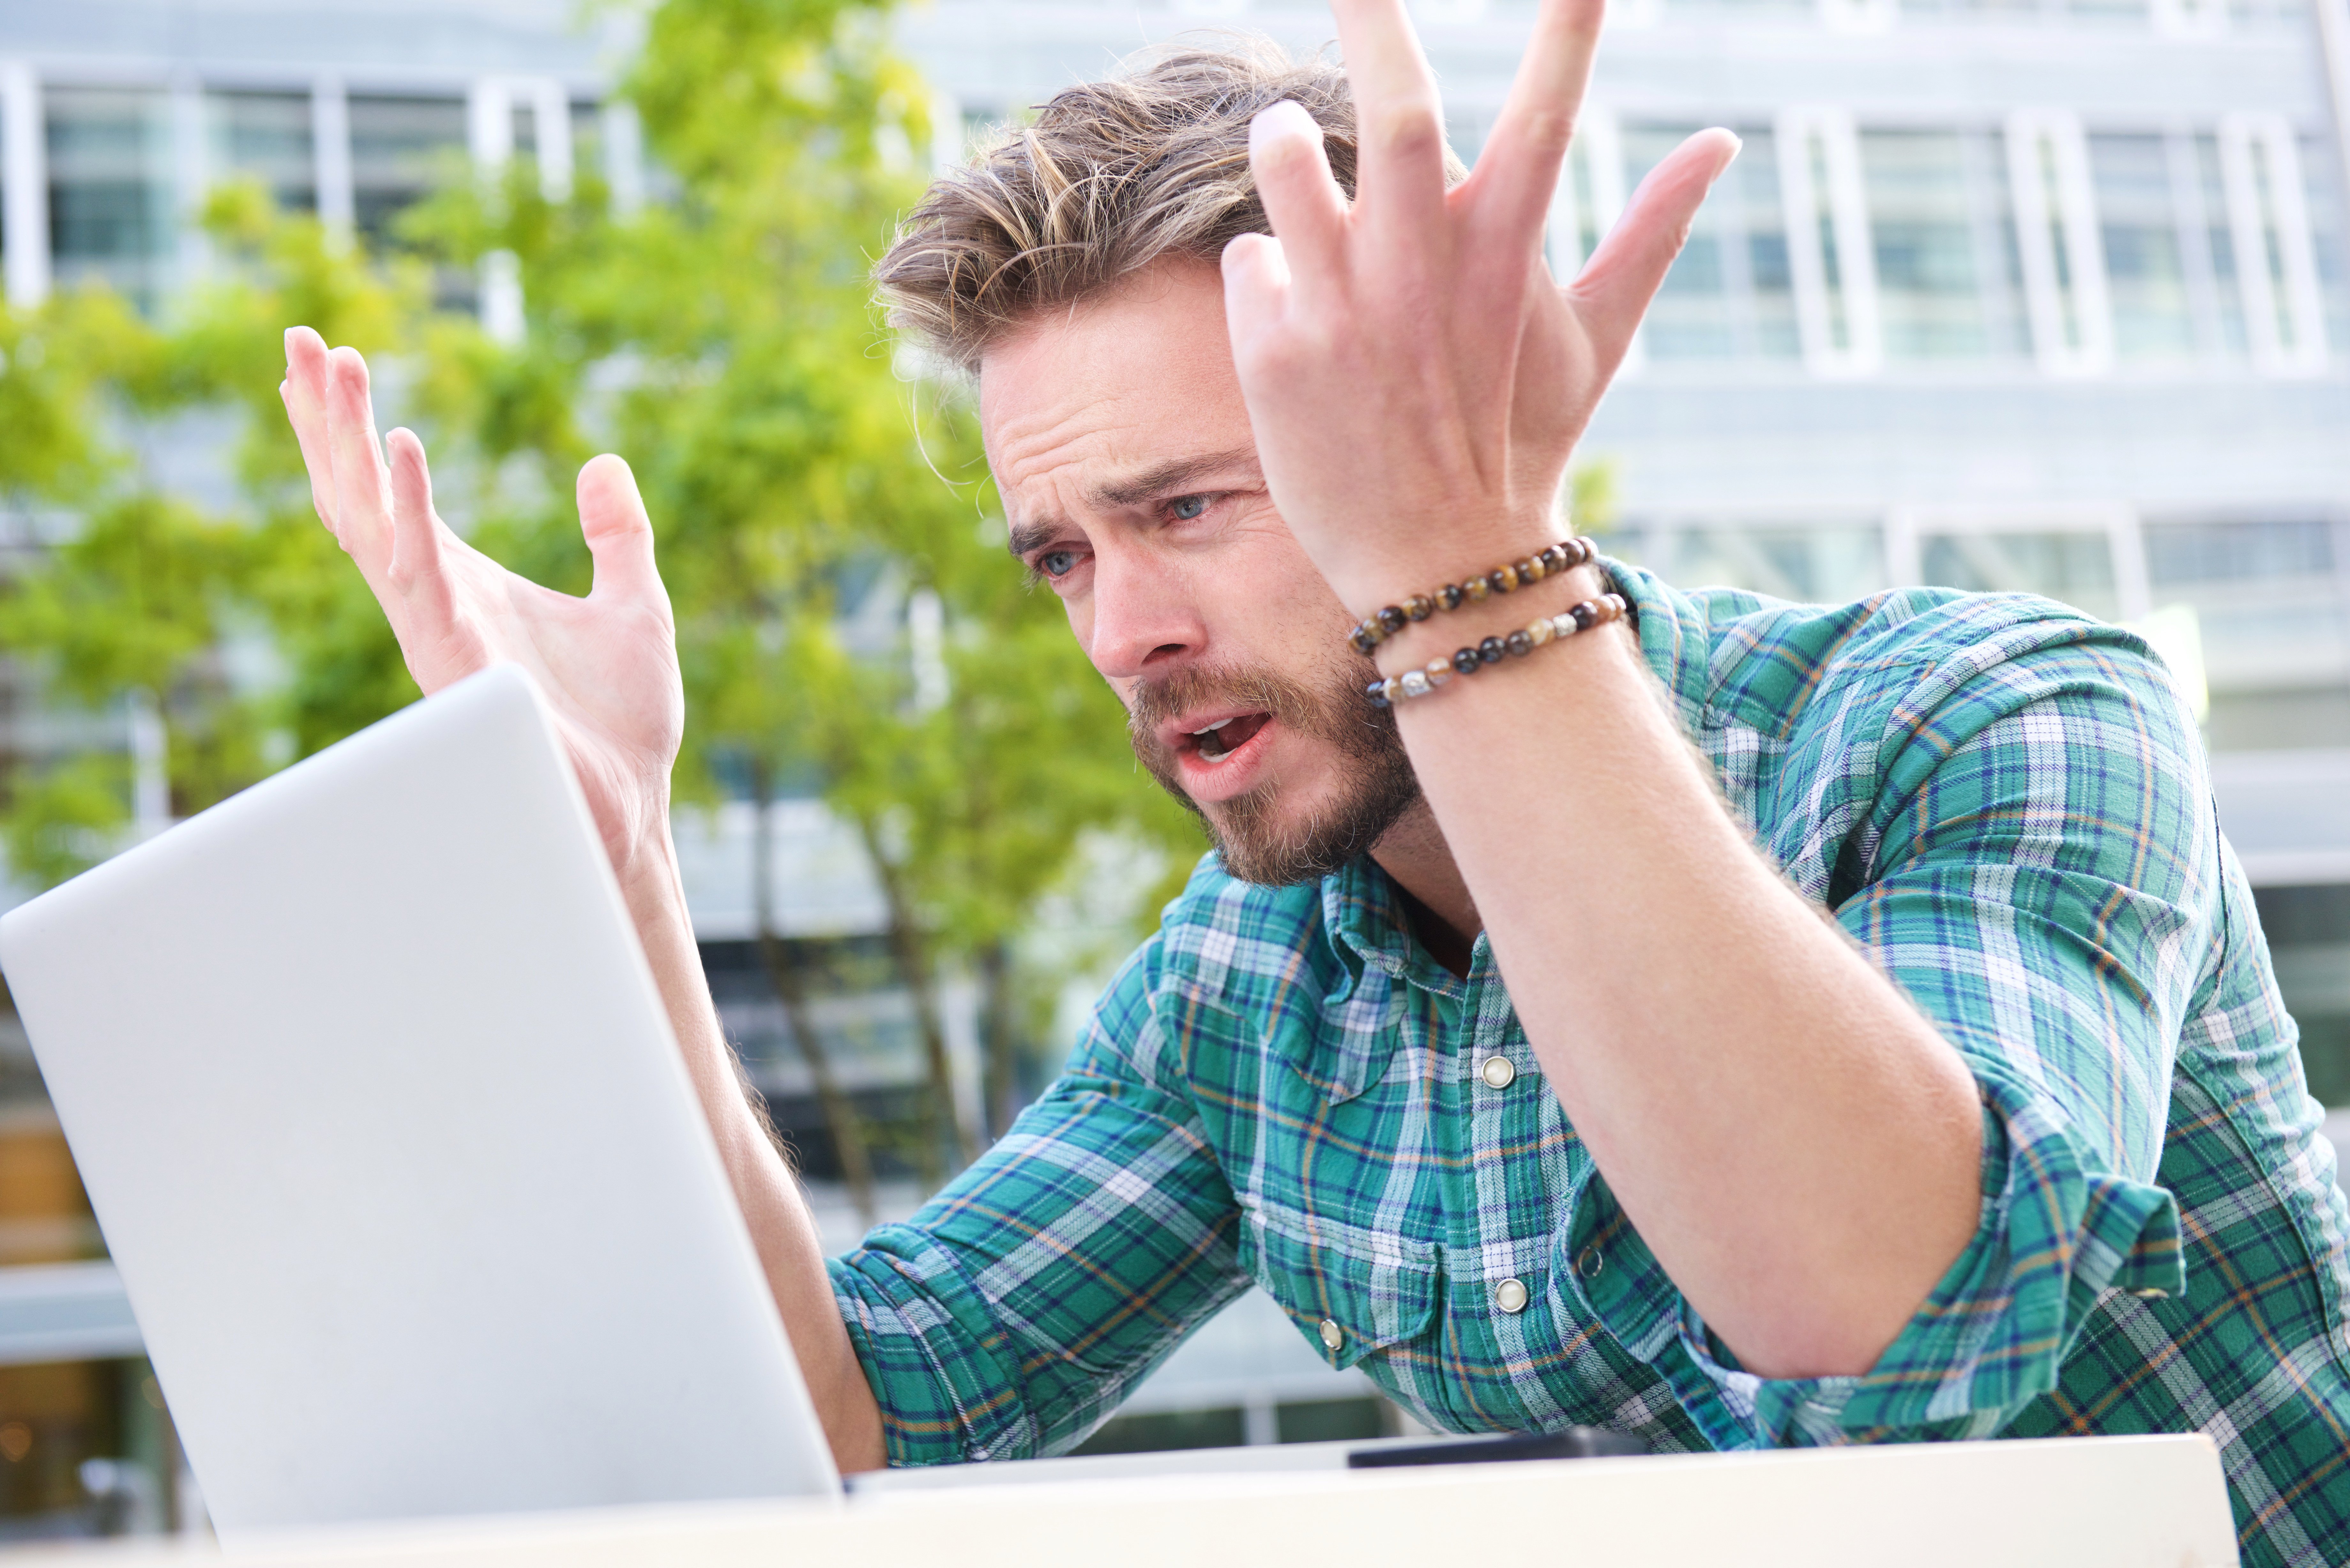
x: 804, y: 495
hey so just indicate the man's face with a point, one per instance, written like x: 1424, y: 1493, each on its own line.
x: 1122, y: 448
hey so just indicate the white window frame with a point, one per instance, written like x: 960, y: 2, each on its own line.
x: 490, y: 104
x: 23, y: 186
x: 2302, y: 304
x: 1907, y: 527
x: 192, y: 176
x: 1862, y: 352
x: 1864, y: 17
x: 1597, y: 148
x: 2190, y: 19
x: 2088, y: 349
x: 330, y: 157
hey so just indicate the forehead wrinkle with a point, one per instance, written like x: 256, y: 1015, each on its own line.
x: 1161, y: 477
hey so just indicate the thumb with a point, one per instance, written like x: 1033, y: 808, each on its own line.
x: 619, y: 534
x: 1612, y: 291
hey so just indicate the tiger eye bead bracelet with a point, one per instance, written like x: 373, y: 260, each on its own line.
x: 1493, y: 650
x: 1565, y: 556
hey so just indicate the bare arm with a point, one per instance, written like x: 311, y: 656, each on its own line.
x: 607, y: 664
x: 1798, y: 1145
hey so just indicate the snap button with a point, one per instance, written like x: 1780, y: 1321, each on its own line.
x: 1497, y: 1072
x: 1332, y: 1336
x: 1589, y: 1264
x: 1509, y: 1295
x: 2151, y: 1293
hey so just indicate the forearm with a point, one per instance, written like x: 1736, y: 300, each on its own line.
x: 1797, y: 1145
x: 781, y: 1227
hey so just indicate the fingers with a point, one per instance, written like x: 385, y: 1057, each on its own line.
x: 1518, y: 170
x: 1308, y: 209
x: 619, y: 535
x: 1256, y: 285
x: 304, y: 393
x: 1624, y: 274
x: 1399, y: 121
x: 362, y: 492
x: 414, y: 565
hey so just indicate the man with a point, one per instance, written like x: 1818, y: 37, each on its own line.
x: 1728, y: 1021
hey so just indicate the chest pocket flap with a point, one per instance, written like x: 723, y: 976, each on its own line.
x: 1349, y: 1291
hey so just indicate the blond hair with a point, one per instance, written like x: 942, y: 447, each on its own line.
x: 1109, y: 178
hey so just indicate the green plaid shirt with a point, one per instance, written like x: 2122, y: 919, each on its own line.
x: 2006, y: 805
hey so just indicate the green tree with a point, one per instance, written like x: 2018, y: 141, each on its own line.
x: 724, y: 342
x: 143, y: 602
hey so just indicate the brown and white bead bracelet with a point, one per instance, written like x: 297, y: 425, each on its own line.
x: 1493, y: 650
x: 1565, y: 556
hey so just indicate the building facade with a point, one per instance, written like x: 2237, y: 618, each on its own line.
x: 2044, y: 294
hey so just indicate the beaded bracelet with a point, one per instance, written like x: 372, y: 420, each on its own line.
x: 1493, y: 650
x: 1563, y: 557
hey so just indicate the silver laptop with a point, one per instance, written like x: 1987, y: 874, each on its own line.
x: 386, y: 1129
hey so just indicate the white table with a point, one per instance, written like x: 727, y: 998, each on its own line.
x: 2088, y: 1502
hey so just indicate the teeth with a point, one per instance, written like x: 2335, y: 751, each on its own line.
x: 1212, y: 728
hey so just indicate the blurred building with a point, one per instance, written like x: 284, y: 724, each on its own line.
x: 2046, y: 294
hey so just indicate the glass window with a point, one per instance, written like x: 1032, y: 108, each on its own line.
x: 1728, y: 296
x: 1734, y: 11
x: 2111, y: 13
x: 2219, y: 242
x: 267, y: 136
x: 1827, y: 565
x: 2329, y: 235
x: 2145, y: 275
x: 2308, y: 930
x: 2073, y: 568
x: 110, y: 203
x: 1692, y: 315
x: 2267, y: 594
x: 1929, y: 264
x: 401, y: 148
x: 1749, y: 204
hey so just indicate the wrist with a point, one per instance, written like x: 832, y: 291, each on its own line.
x: 1483, y: 607
x: 647, y: 868
x: 1366, y: 582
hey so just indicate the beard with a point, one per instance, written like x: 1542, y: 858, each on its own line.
x: 1255, y: 838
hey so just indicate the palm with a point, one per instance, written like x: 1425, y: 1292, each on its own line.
x: 608, y: 663
x: 1411, y: 370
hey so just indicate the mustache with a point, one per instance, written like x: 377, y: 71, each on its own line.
x: 1153, y: 702
x: 1322, y: 713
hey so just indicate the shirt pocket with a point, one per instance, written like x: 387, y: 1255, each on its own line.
x: 1349, y: 1291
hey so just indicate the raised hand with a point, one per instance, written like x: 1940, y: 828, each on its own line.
x: 608, y: 663
x: 1414, y: 378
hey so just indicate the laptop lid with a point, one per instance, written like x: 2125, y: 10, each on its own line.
x: 379, y: 1112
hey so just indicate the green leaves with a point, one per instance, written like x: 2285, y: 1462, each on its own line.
x: 805, y: 498
x: 126, y: 603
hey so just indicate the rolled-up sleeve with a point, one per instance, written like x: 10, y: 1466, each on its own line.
x: 1012, y: 1315
x: 2042, y: 876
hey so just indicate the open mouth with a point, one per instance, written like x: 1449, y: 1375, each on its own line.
x: 1225, y: 736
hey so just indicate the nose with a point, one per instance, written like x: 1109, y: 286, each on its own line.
x: 1144, y: 614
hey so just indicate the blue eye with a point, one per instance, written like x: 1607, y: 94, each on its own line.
x: 1186, y: 507
x: 1056, y: 563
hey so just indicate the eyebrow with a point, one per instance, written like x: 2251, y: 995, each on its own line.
x: 1134, y: 489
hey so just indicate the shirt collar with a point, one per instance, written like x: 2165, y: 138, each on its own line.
x: 1362, y: 909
